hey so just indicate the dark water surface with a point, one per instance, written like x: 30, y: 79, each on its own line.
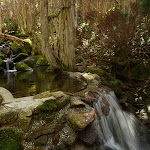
x: 29, y: 83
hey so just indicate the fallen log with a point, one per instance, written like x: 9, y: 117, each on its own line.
x: 13, y: 38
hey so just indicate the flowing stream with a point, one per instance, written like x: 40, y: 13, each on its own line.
x: 119, y: 130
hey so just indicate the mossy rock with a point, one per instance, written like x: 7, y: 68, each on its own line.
x: 21, y: 66
x: 20, y: 57
x: 105, y: 76
x: 48, y: 106
x: 9, y: 140
x: 15, y: 47
x: 1, y: 62
x: 80, y: 59
x: 2, y: 56
x: 140, y: 72
x: 36, y: 61
x: 1, y: 65
x: 27, y: 48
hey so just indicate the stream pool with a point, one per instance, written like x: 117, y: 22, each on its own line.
x: 28, y: 83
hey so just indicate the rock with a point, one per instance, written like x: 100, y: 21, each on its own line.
x: 20, y: 57
x: 35, y: 61
x: 81, y: 67
x: 44, y: 130
x: 78, y: 121
x: 75, y: 102
x: 7, y: 115
x: 89, y: 96
x: 2, y: 56
x: 25, y: 119
x: 21, y: 66
x: 15, y: 47
x: 55, y: 138
x: 41, y: 141
x: 68, y: 135
x: 105, y: 106
x: 43, y: 95
x: 6, y: 96
x: 88, y: 136
x: 80, y: 146
x: 1, y: 99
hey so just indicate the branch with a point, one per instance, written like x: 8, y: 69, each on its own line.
x: 13, y: 38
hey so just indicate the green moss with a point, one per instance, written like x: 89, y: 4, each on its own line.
x: 52, y: 15
x: 116, y: 82
x: 48, y: 107
x: 20, y: 56
x: 27, y: 46
x: 140, y: 72
x: 80, y: 59
x: 15, y: 47
x: 2, y: 56
x: 20, y: 66
x: 41, y: 61
x: 1, y: 62
x: 9, y: 140
x: 103, y: 74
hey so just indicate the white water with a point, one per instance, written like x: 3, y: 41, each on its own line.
x: 7, y: 65
x: 119, y: 130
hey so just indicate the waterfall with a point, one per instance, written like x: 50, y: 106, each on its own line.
x: 118, y: 130
x: 10, y: 67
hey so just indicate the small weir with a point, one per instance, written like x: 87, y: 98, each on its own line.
x: 118, y: 130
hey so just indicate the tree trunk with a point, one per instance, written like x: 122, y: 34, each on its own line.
x: 66, y: 34
x: 0, y: 18
x: 45, y: 45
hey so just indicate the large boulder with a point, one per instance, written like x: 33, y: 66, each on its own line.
x: 20, y: 57
x: 36, y: 61
x: 21, y: 66
x: 79, y: 121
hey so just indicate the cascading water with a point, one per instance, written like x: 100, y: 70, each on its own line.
x: 10, y: 67
x: 117, y: 129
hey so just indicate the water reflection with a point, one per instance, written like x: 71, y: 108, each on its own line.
x: 28, y: 83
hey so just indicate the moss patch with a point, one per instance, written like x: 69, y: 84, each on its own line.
x: 80, y: 59
x: 48, y: 107
x: 140, y: 72
x: 9, y: 140
x: 20, y: 57
x: 2, y: 56
x: 15, y: 47
x: 20, y: 66
x: 105, y: 76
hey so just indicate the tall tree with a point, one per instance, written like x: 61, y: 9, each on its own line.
x: 46, y: 50
x: 0, y: 18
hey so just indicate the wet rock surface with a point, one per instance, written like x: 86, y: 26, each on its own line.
x: 54, y: 120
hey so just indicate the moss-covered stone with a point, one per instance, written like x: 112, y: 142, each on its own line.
x: 80, y: 59
x: 9, y: 140
x: 21, y: 66
x: 15, y: 47
x: 47, y: 107
x: 20, y: 57
x: 1, y: 62
x: 105, y: 76
x: 2, y: 56
x: 27, y: 48
x: 36, y: 61
x: 140, y: 72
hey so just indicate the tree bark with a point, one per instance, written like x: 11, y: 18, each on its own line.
x: 0, y: 18
x: 45, y: 45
